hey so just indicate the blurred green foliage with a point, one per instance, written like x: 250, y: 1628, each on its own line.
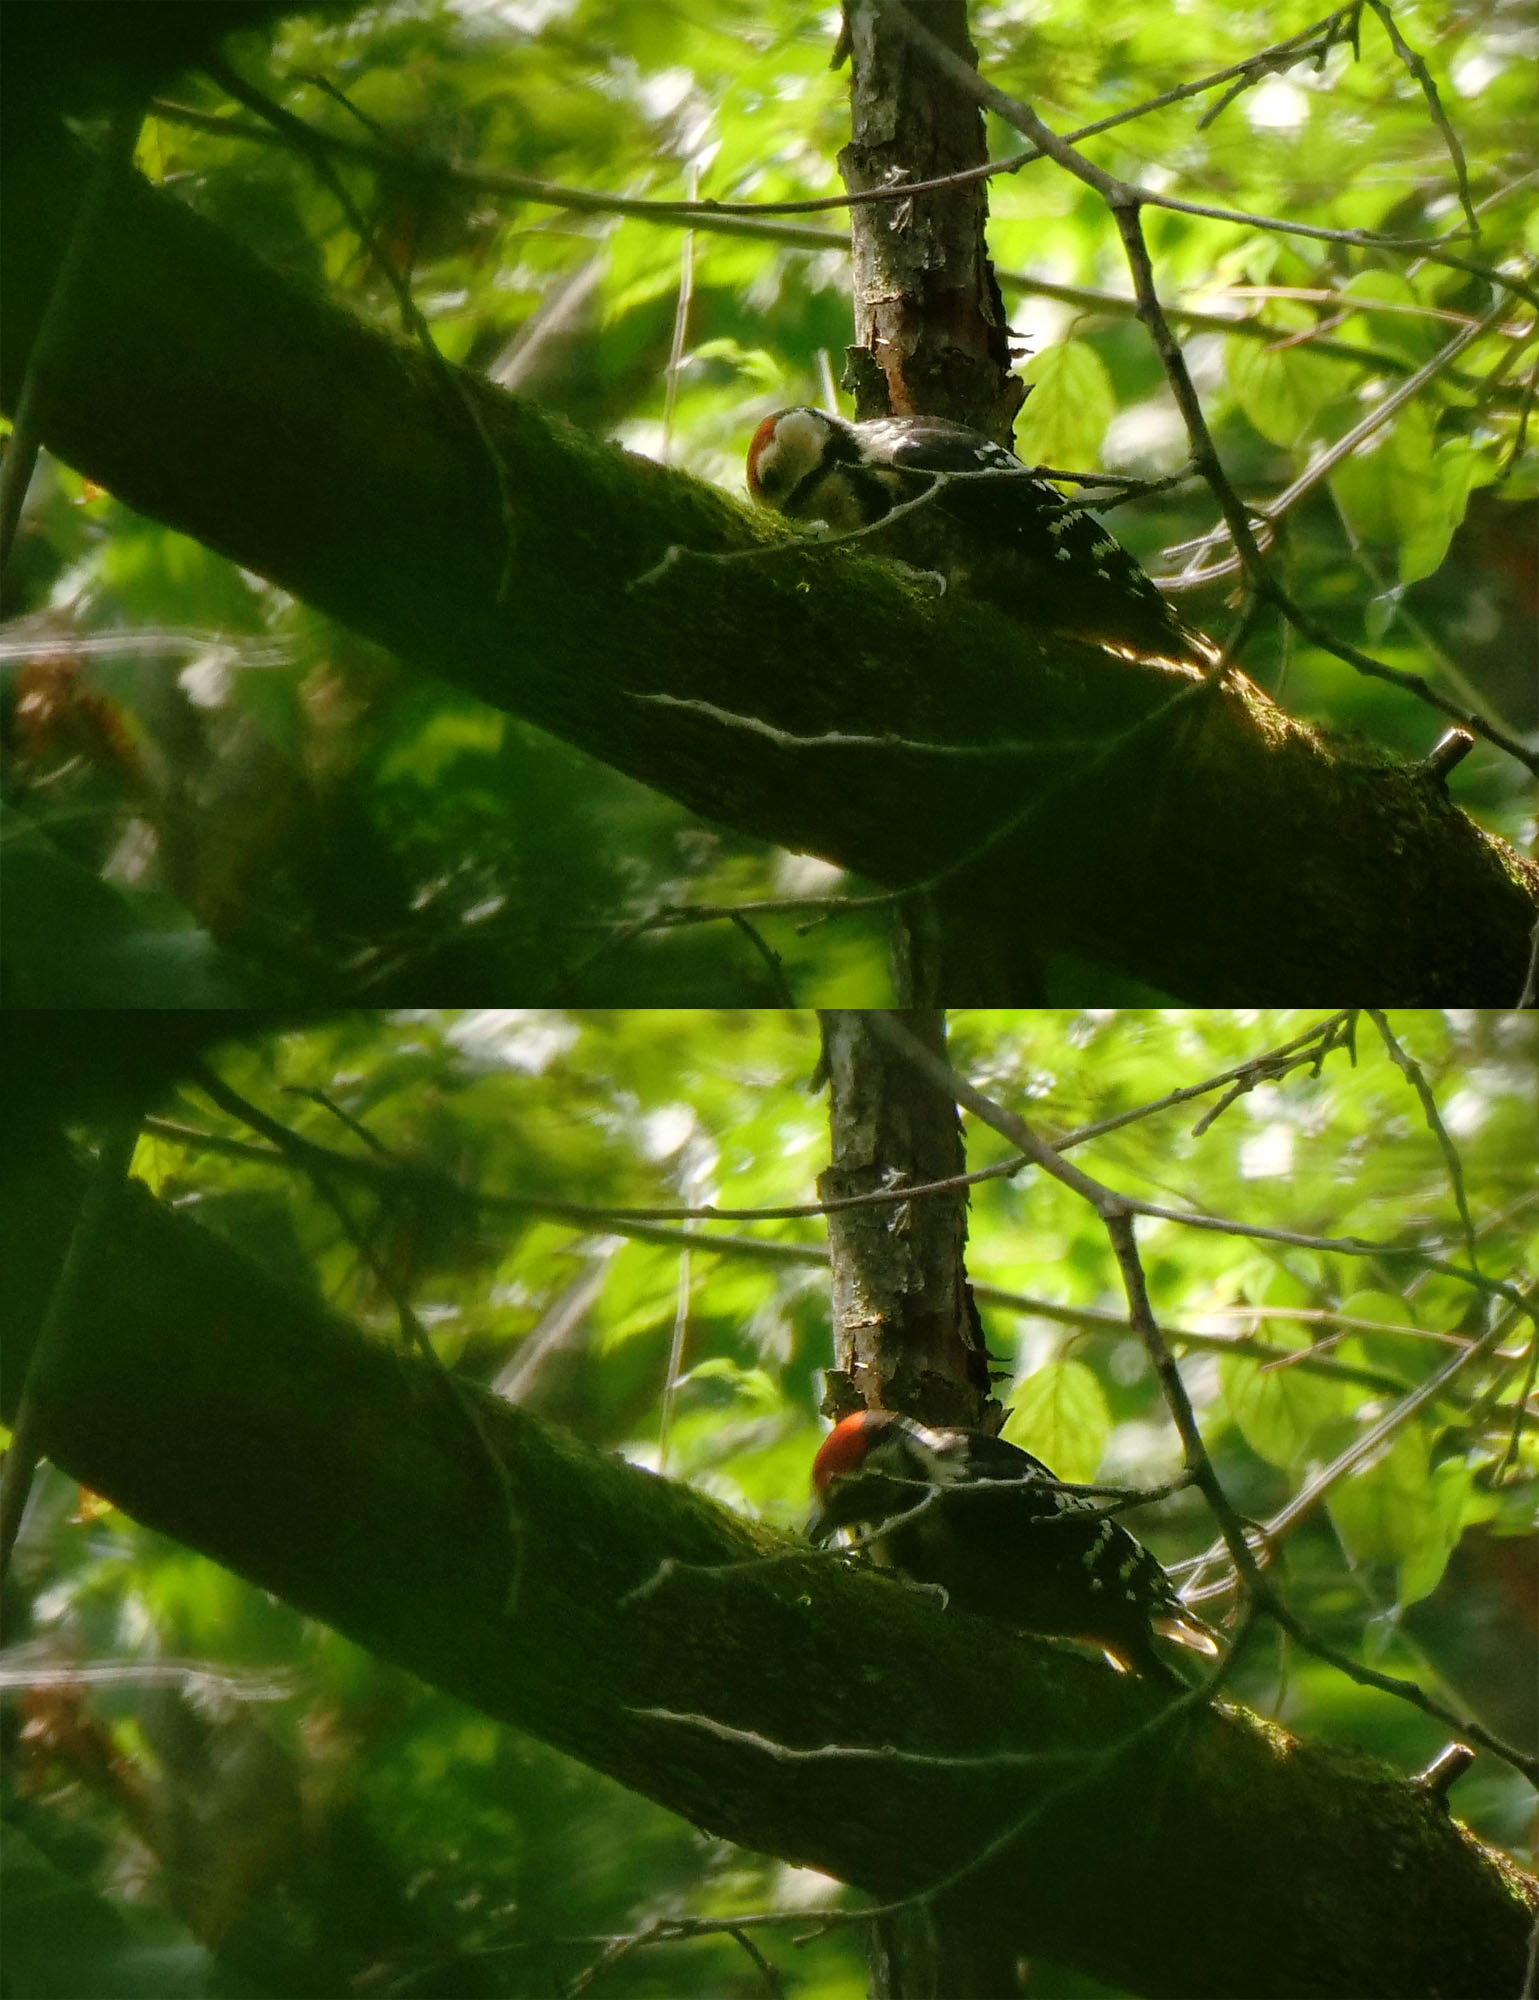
x: 197, y: 1773
x: 337, y: 826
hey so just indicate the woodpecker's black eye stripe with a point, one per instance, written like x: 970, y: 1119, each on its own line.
x: 795, y: 502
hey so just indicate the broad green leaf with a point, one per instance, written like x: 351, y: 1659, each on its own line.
x: 1460, y: 468
x: 640, y: 1295
x: 1071, y: 403
x: 725, y: 1382
x: 758, y: 368
x: 1400, y: 1510
x: 1402, y: 324
x: 1449, y: 1493
x: 1399, y: 1350
x: 1282, y: 390
x: 1279, y: 1408
x: 1059, y: 1414
x: 1388, y: 488
x: 1381, y: 1510
x: 1401, y: 489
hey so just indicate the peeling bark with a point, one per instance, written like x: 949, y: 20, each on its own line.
x: 931, y: 331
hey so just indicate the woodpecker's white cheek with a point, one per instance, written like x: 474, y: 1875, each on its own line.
x: 793, y: 449
x: 804, y: 435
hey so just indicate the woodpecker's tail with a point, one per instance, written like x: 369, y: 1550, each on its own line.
x: 1187, y: 1629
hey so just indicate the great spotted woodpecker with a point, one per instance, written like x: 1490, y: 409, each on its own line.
x: 982, y: 520
x: 990, y: 1524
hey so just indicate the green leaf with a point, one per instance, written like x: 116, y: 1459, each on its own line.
x: 1382, y: 1511
x: 1447, y: 1497
x: 1401, y: 488
x: 1282, y: 390
x: 1059, y: 1413
x: 1382, y: 487
x: 1403, y: 1511
x: 1393, y: 1352
x: 1460, y: 469
x: 1279, y: 1408
x: 640, y: 1296
x: 756, y: 366
x: 1071, y: 403
x: 727, y: 1381
x: 1402, y: 326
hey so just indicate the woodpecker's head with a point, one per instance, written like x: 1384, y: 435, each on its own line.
x: 871, y: 1467
x: 785, y: 449
x: 810, y: 466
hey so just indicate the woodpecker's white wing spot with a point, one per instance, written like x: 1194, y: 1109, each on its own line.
x: 1103, y: 1535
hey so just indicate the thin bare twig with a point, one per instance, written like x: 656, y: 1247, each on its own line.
x: 681, y: 312
x: 1394, y: 1419
x: 1122, y: 193
x: 1087, y: 1319
x: 1320, y: 634
x: 1520, y: 1410
x: 849, y: 739
x: 756, y: 219
x: 1423, y: 76
x: 1412, y: 1071
x: 683, y: 1287
x: 306, y: 1151
x: 1343, y: 447
x: 1116, y: 1212
x: 1307, y: 43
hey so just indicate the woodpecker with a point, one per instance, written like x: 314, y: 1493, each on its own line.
x: 990, y: 1524
x: 1005, y: 536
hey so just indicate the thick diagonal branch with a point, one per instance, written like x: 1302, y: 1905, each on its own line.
x: 1199, y: 840
x: 812, y: 1712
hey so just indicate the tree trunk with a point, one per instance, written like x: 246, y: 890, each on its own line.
x: 907, y: 1338
x: 931, y: 334
x: 906, y: 1332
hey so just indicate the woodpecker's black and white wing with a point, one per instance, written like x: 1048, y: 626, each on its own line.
x: 1029, y: 550
x: 931, y: 444
x: 1126, y: 1590
x: 954, y: 502
x: 991, y: 1525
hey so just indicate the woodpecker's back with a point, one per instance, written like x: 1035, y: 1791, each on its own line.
x: 990, y: 1524
x: 950, y: 500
